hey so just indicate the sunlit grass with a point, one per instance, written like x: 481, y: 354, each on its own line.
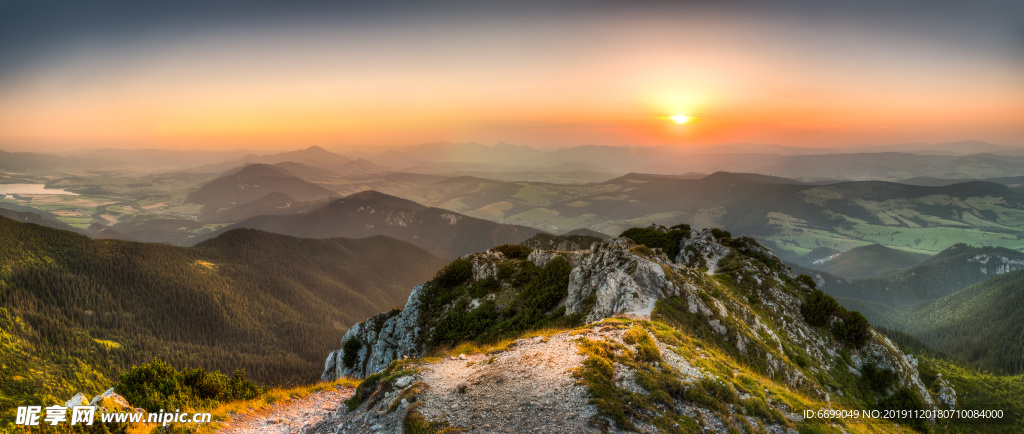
x: 224, y: 412
x: 106, y: 343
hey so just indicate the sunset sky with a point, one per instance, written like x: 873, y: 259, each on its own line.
x: 274, y: 75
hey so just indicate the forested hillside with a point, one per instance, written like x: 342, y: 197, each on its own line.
x: 980, y: 324
x: 965, y: 302
x: 947, y: 272
x: 873, y: 260
x: 266, y: 303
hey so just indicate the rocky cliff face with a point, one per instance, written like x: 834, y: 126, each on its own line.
x: 615, y: 279
x: 382, y: 338
x: 721, y: 302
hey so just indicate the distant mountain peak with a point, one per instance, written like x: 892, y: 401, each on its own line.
x: 257, y: 170
x: 748, y: 178
x: 373, y: 197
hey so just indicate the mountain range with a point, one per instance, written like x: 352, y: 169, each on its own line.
x: 967, y: 159
x: 442, y: 232
x: 256, y: 189
x: 314, y: 156
x: 794, y: 218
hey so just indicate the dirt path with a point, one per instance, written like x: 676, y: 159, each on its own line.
x: 523, y: 389
x: 289, y: 416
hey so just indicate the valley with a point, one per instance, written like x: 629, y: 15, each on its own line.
x: 282, y: 255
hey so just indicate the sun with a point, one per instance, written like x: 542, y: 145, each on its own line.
x: 680, y: 119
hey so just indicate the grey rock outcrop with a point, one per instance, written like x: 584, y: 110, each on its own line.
x: 946, y: 393
x: 701, y: 250
x: 106, y: 401
x: 77, y: 400
x: 384, y: 337
x: 616, y: 281
x: 110, y: 399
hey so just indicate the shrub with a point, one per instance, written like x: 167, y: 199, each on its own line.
x: 807, y: 280
x: 818, y: 308
x: 905, y: 399
x: 533, y: 307
x: 514, y: 251
x: 454, y: 274
x: 483, y: 287
x: 853, y: 330
x: 505, y: 270
x: 158, y: 386
x: 351, y: 348
x: 668, y: 242
x: 720, y: 234
x: 878, y: 379
x: 447, y: 283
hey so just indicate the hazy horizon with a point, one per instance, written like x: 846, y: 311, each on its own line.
x: 726, y: 148
x: 268, y: 76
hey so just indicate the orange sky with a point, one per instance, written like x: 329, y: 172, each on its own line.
x: 607, y: 80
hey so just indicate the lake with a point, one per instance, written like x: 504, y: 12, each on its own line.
x: 31, y: 189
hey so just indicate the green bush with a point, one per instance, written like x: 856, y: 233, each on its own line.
x: 720, y: 234
x: 853, y: 330
x: 818, y: 308
x: 447, y: 284
x: 878, y: 379
x: 351, y: 349
x: 483, y: 287
x: 454, y: 274
x: 158, y: 386
x: 668, y: 242
x: 905, y: 399
x: 514, y: 251
x: 807, y: 280
x: 542, y: 288
x: 505, y: 270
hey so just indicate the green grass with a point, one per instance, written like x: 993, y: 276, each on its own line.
x: 979, y: 390
x: 107, y: 343
x: 927, y: 240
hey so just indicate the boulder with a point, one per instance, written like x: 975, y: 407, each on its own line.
x: 110, y: 400
x: 77, y: 400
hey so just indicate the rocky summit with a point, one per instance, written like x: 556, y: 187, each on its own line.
x: 621, y: 337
